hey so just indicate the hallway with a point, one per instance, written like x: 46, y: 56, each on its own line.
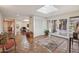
x: 57, y: 21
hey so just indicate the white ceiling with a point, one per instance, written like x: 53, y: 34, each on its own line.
x: 29, y: 10
x: 19, y: 10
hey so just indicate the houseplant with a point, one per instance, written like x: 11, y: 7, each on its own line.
x: 46, y: 32
x: 3, y: 39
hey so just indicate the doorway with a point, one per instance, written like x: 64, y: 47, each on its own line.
x: 9, y: 25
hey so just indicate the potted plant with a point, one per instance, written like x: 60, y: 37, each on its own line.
x: 3, y: 40
x: 46, y: 32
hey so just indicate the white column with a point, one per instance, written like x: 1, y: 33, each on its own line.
x: 1, y: 24
x: 68, y: 27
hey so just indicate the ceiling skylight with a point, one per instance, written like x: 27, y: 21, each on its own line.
x: 47, y: 9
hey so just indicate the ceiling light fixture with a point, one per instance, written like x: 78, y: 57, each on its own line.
x: 26, y: 19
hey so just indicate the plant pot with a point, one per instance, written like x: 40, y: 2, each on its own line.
x: 46, y: 32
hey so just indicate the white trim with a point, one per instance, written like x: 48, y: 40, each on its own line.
x: 60, y: 35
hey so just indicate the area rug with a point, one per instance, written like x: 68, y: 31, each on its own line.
x: 47, y: 43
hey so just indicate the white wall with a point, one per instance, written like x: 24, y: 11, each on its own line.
x: 31, y: 24
x: 40, y: 25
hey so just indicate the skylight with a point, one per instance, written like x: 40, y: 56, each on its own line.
x: 47, y: 9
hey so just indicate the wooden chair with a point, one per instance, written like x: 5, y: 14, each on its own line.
x: 29, y: 36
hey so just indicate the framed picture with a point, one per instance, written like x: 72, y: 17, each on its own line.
x: 27, y: 25
x: 63, y: 24
x: 17, y: 26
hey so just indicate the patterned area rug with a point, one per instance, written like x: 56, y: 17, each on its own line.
x: 47, y: 43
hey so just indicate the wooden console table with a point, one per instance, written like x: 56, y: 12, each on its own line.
x: 71, y: 40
